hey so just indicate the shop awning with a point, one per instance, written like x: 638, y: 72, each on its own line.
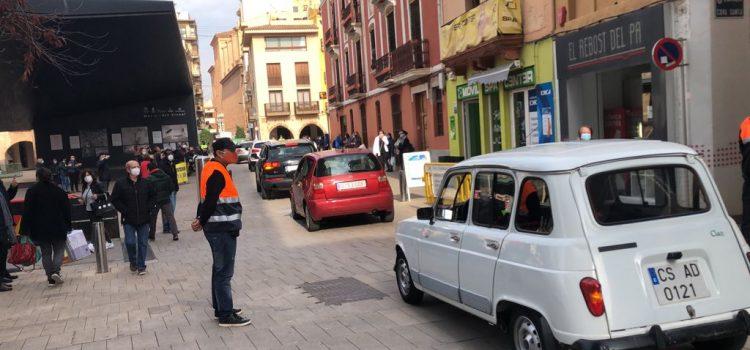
x: 492, y: 76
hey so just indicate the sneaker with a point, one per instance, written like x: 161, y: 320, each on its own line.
x: 133, y: 268
x: 142, y: 271
x: 175, y: 237
x: 57, y: 278
x: 91, y: 247
x: 5, y: 288
x: 110, y: 245
x: 50, y: 282
x: 234, y: 311
x: 233, y: 320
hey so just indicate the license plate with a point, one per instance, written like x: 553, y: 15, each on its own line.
x: 353, y: 185
x: 290, y: 168
x: 678, y: 282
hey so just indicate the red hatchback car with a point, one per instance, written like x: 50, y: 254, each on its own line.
x: 338, y: 183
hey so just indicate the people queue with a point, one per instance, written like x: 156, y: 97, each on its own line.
x: 384, y: 146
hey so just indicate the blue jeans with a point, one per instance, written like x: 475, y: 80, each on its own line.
x: 136, y: 241
x: 65, y: 182
x: 223, y: 249
x: 165, y: 223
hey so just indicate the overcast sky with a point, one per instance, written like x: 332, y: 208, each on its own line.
x: 214, y: 16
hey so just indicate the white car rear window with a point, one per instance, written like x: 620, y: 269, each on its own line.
x: 649, y: 193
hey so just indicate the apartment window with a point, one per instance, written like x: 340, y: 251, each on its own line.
x: 373, y: 52
x: 275, y: 98
x: 273, y: 70
x: 416, y: 20
x: 336, y: 73
x: 439, y: 124
x: 302, y: 72
x: 346, y: 63
x: 342, y: 124
x: 285, y: 42
x: 304, y: 97
x: 378, y: 117
x: 391, y: 22
x: 396, y: 113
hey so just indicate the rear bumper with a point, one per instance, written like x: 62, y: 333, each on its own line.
x: 657, y: 338
x: 324, y: 208
x: 277, y: 184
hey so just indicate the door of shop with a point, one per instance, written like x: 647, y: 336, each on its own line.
x: 472, y: 132
x: 421, y: 120
x: 524, y: 117
x: 492, y: 102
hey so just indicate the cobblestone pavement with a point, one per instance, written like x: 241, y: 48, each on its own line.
x: 170, y: 306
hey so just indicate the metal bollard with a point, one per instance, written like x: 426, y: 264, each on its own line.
x: 100, y: 247
x: 402, y: 185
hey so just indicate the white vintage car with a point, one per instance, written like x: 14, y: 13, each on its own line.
x: 594, y: 245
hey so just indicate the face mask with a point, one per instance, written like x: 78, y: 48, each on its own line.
x: 41, y: 162
x: 88, y: 179
x: 135, y: 171
x: 170, y: 157
x: 586, y: 137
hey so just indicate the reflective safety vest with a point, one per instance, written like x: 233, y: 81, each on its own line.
x: 228, y: 214
x: 745, y: 131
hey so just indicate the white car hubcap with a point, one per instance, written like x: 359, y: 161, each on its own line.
x: 526, y: 335
x: 404, y: 280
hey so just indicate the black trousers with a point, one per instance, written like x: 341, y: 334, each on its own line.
x: 745, y: 227
x: 3, y: 261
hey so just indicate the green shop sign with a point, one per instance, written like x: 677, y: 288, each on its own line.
x: 520, y: 78
x: 467, y: 91
x: 490, y: 88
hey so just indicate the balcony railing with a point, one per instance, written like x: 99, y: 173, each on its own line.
x: 350, y: 14
x: 354, y: 84
x: 412, y: 55
x: 381, y: 68
x: 333, y: 94
x: 308, y: 107
x: 331, y: 37
x: 277, y: 109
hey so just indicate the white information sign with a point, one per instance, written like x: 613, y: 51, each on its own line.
x: 116, y: 140
x: 156, y: 136
x: 75, y: 142
x: 55, y: 142
x: 414, y: 169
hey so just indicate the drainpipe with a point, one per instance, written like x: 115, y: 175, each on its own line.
x: 440, y: 13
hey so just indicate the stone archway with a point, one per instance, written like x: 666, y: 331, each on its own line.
x: 280, y: 132
x: 312, y: 131
x: 21, y: 153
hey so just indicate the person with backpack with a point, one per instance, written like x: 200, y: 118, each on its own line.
x: 169, y: 166
x: 47, y: 221
x: 163, y: 186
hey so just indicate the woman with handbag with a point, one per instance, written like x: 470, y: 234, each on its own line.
x: 46, y: 220
x: 91, y: 195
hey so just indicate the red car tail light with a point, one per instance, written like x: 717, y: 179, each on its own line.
x: 383, y: 181
x: 271, y: 166
x: 592, y: 293
x: 318, y: 191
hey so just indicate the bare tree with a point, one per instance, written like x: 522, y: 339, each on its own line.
x: 42, y: 40
x: 37, y: 35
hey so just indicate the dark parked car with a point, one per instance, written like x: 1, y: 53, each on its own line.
x: 277, y: 165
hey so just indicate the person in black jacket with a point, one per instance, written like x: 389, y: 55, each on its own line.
x: 135, y: 199
x: 47, y: 221
x: 6, y: 224
x: 102, y: 171
x: 168, y: 165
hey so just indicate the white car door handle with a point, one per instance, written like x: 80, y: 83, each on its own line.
x: 494, y: 245
x: 455, y: 238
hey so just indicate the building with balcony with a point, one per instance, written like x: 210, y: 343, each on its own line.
x: 384, y: 70
x: 189, y: 34
x: 227, y: 82
x: 284, y: 60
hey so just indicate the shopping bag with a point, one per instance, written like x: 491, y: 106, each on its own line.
x: 23, y: 253
x: 77, y: 245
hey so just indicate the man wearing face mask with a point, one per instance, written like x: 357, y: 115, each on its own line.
x: 134, y: 198
x: 168, y: 166
x: 584, y: 133
x: 220, y: 217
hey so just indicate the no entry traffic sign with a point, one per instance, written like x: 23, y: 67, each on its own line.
x: 667, y: 53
